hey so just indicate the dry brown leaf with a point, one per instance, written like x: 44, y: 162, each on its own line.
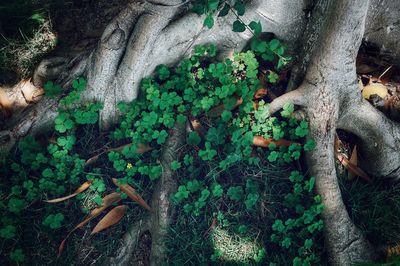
x: 263, y: 142
x: 82, y: 188
x: 107, y: 202
x: 360, y: 84
x: 5, y: 103
x: 351, y: 167
x: 61, y: 247
x: 131, y: 192
x: 338, y: 146
x: 30, y: 92
x: 111, y: 218
x: 217, y: 111
x: 141, y: 148
x: 392, y: 251
x: 353, y: 160
x: 374, y: 88
x: 260, y: 93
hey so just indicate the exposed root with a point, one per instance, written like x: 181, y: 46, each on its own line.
x: 48, y: 69
x: 379, y: 138
x: 346, y: 243
x: 296, y: 97
x: 330, y: 74
x: 129, y: 242
x: 163, y: 208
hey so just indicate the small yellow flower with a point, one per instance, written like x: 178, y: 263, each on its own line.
x: 129, y: 166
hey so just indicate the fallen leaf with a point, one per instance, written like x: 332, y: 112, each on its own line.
x: 131, y: 192
x: 196, y: 126
x: 374, y: 88
x: 353, y: 160
x: 263, y: 142
x: 217, y: 111
x: 392, y: 251
x: 351, y: 167
x: 93, y: 159
x: 260, y: 93
x: 108, y: 200
x: 338, y: 146
x: 82, y: 188
x: 61, y: 247
x: 141, y: 148
x: 111, y: 218
x: 6, y: 104
x: 30, y: 92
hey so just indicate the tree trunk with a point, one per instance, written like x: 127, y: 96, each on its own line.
x: 146, y: 34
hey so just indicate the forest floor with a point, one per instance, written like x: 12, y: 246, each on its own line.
x: 244, y: 215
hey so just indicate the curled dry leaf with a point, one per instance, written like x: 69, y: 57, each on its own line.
x: 353, y: 160
x: 30, y: 92
x: 82, y: 188
x: 374, y: 88
x: 351, y: 167
x: 108, y: 200
x: 111, y: 218
x: 61, y: 247
x: 263, y: 142
x: 131, y: 192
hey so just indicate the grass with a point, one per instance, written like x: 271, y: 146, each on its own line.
x: 375, y: 208
x: 22, y: 55
x: 80, y: 249
x: 26, y: 35
x: 226, y: 233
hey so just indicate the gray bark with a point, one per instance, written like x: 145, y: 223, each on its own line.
x: 162, y: 208
x: 330, y: 82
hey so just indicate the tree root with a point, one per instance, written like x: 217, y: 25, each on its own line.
x: 162, y: 208
x: 379, y: 138
x: 330, y: 98
x: 296, y: 97
x: 129, y: 243
x: 146, y: 34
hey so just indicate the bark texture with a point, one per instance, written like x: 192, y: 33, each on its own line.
x: 162, y: 208
x: 329, y: 86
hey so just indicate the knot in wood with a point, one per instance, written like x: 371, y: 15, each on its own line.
x: 115, y: 40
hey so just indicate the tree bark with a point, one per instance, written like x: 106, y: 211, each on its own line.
x: 330, y: 81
